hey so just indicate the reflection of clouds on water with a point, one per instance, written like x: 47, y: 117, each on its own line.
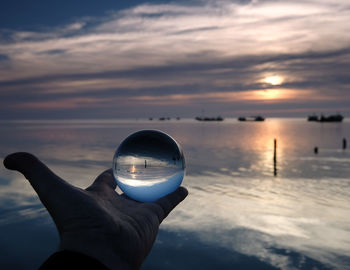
x: 18, y: 214
x: 194, y: 252
x: 255, y: 216
x: 28, y: 235
x: 18, y: 200
x: 326, y: 159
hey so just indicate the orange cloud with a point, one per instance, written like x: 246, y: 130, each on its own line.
x: 269, y: 95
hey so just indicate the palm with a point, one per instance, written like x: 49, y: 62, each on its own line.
x: 97, y: 221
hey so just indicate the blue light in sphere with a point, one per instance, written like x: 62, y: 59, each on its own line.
x: 148, y: 165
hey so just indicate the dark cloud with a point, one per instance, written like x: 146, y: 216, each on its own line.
x: 22, y: 15
x: 4, y: 57
x: 53, y: 52
x: 321, y: 68
x: 195, y: 30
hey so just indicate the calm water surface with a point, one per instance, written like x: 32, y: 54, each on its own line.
x: 238, y: 214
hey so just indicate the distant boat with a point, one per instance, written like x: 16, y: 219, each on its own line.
x: 331, y: 118
x: 313, y: 118
x: 219, y: 118
x: 252, y: 118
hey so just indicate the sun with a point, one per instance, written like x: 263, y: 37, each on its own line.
x: 274, y: 80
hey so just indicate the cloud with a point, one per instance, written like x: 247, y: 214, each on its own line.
x: 198, y: 48
x: 4, y: 57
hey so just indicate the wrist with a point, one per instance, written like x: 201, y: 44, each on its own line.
x: 71, y: 260
x: 96, y: 249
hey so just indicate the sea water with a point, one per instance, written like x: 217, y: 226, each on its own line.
x: 238, y: 213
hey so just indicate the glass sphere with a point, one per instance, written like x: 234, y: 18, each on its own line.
x: 148, y: 165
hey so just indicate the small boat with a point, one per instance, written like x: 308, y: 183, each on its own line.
x: 331, y: 118
x: 251, y: 118
x: 259, y: 118
x: 313, y: 118
x: 219, y: 118
x: 164, y: 118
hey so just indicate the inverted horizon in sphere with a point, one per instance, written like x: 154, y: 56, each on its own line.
x: 148, y: 165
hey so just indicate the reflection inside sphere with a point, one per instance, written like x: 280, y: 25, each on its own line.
x: 148, y: 165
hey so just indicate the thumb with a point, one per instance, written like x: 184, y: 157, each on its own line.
x: 105, y: 179
x: 170, y: 201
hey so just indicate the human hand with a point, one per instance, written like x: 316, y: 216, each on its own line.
x: 97, y: 221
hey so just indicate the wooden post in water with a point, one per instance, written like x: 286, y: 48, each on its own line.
x: 344, y: 143
x: 275, y: 157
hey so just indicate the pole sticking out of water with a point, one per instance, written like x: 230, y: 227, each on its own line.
x: 344, y: 143
x: 275, y: 157
x: 316, y: 150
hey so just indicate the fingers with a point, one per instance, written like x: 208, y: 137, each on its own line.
x: 170, y: 201
x: 105, y: 179
x: 44, y: 181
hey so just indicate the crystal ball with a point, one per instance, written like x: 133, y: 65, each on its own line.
x: 148, y: 165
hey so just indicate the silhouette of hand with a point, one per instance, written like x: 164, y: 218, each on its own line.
x: 97, y: 221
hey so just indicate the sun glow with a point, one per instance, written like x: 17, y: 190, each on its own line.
x: 270, y: 94
x: 274, y: 80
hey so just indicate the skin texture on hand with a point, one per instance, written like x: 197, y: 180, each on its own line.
x: 97, y: 221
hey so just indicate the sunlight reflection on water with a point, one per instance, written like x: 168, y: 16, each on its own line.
x: 297, y: 220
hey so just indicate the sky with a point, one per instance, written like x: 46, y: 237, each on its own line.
x: 137, y: 59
